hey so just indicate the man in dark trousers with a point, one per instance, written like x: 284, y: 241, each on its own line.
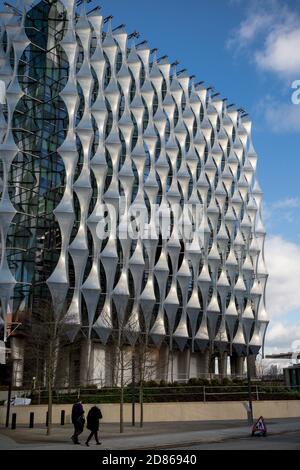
x: 77, y: 420
x: 93, y: 417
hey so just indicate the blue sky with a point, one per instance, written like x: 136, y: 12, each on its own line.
x: 249, y: 51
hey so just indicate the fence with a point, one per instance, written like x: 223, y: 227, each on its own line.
x: 170, y: 393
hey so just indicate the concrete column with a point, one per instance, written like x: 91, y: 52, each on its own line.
x: 127, y: 364
x: 228, y: 368
x: 232, y: 366
x: 96, y: 364
x: 101, y: 365
x: 75, y: 367
x: 110, y: 365
x: 199, y: 365
x: 17, y: 355
x: 173, y: 366
x: 151, y: 364
x: 203, y: 365
x: 216, y: 366
x: 212, y: 366
x: 84, y: 363
x: 162, y: 363
x: 237, y: 365
x: 183, y: 365
x: 252, y: 366
x: 62, y: 373
x: 222, y: 360
x: 240, y: 365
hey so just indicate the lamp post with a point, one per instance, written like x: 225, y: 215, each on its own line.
x: 250, y: 407
x: 9, y: 365
x: 133, y: 390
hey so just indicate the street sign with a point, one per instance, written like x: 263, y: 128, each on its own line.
x: 259, y: 428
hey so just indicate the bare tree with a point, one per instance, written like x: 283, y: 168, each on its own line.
x: 148, y: 369
x: 119, y: 340
x: 261, y: 366
x: 47, y: 335
x: 131, y: 355
x: 123, y: 353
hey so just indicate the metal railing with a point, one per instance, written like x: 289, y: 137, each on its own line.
x: 171, y: 393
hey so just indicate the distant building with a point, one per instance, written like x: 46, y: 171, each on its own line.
x: 91, y: 119
x: 292, y: 375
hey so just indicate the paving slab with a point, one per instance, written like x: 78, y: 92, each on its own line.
x: 151, y: 436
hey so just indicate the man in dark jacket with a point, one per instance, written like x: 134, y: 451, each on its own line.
x: 93, y: 417
x: 77, y: 420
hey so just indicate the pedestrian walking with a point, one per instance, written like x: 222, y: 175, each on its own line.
x: 93, y: 417
x: 77, y: 420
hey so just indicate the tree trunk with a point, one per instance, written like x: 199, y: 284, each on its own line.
x: 122, y: 392
x: 49, y: 427
x: 141, y: 398
x: 49, y: 387
x: 89, y: 357
x: 142, y: 378
x: 50, y: 376
x: 171, y: 364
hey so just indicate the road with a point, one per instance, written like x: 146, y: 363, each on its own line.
x: 282, y: 434
x: 287, y: 441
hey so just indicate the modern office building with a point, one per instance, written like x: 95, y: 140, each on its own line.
x: 129, y: 200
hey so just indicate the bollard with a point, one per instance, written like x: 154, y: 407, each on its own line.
x: 31, y: 420
x: 47, y: 419
x: 62, y: 417
x: 13, y: 421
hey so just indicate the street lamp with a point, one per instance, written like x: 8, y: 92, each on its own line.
x: 250, y: 407
x: 133, y: 390
x: 8, y: 381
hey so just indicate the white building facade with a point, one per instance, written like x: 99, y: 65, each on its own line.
x: 129, y: 198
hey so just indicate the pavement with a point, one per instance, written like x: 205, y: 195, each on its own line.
x: 286, y: 441
x: 179, y: 435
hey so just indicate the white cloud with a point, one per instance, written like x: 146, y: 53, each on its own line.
x: 277, y: 213
x: 282, y: 337
x: 250, y: 27
x: 280, y: 334
x: 272, y: 28
x: 280, y: 117
x: 283, y: 287
x: 286, y: 203
x: 283, y: 291
x: 280, y: 53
